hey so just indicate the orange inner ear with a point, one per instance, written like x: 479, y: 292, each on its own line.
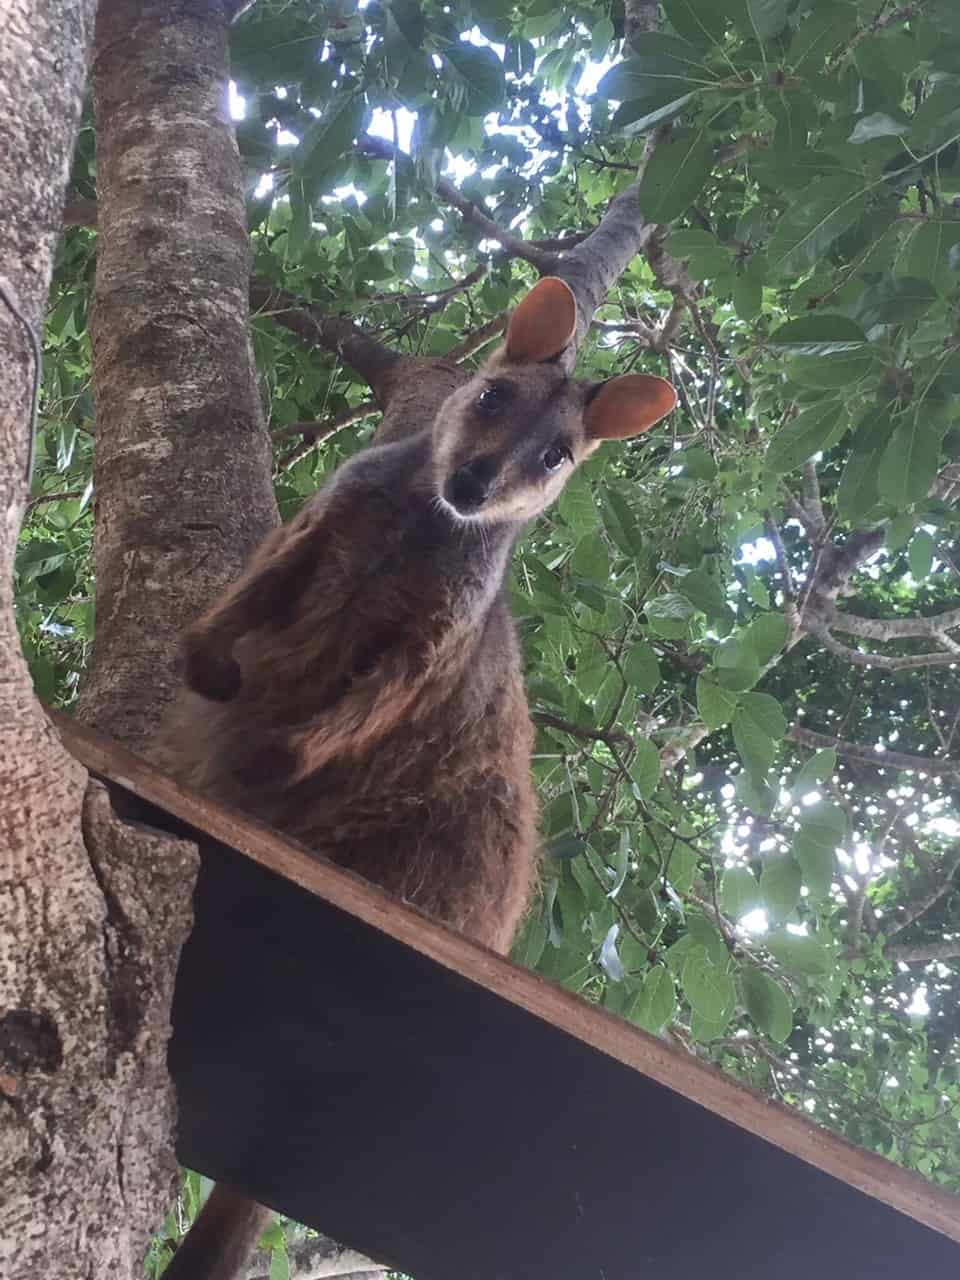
x: 628, y: 406
x: 543, y: 324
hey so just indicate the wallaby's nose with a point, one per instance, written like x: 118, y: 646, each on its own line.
x: 468, y: 487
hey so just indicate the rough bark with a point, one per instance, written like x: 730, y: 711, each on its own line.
x: 183, y: 473
x: 87, y: 947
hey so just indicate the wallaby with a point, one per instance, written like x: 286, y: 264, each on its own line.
x: 360, y: 688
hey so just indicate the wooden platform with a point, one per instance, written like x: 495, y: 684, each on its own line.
x: 367, y: 1072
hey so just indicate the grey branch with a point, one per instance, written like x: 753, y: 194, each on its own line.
x: 893, y: 628
x: 925, y: 953
x: 933, y: 888
x: 473, y: 342
x: 313, y: 432
x: 876, y: 759
x: 365, y: 353
x: 880, y: 660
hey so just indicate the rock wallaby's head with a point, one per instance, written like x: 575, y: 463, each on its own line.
x: 507, y: 442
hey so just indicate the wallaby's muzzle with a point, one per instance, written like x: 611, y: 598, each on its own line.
x: 469, y: 486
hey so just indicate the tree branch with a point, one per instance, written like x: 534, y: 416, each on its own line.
x: 879, y: 660
x: 607, y: 736
x: 933, y: 889
x: 366, y: 354
x: 316, y: 431
x: 479, y: 338
x: 879, y: 23
x: 893, y: 628
x: 876, y: 759
x: 543, y: 259
x: 925, y: 953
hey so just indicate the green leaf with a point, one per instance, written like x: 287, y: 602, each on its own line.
x: 780, y: 883
x: 819, y: 34
x: 758, y: 797
x: 920, y: 554
x: 936, y: 122
x: 813, y: 431
x: 819, y: 768
x: 529, y: 947
x: 657, y: 1002
x: 576, y: 504
x: 645, y: 768
x: 590, y: 560
x: 908, y: 467
x: 766, y: 713
x: 739, y: 892
x: 641, y: 668
x: 759, y: 19
x: 279, y: 1264
x: 326, y: 141
x: 601, y: 38
x: 756, y: 748
x: 822, y: 828
x: 668, y: 614
x: 767, y: 1003
x: 708, y: 987
x: 809, y: 227
x: 899, y: 531
x: 768, y: 635
x: 704, y: 1029
x: 859, y: 492
x: 705, y: 256
x: 898, y: 301
x: 482, y: 73
x: 816, y: 864
x: 675, y: 175
x: 799, y: 953
x: 706, y: 933
x: 699, y: 21
x: 756, y: 588
x: 736, y: 663
x: 666, y: 63
x: 825, y: 823
x: 819, y: 335
x: 640, y: 115
x: 566, y: 847
x: 715, y: 705
x: 621, y: 523
x: 747, y: 297
x: 706, y: 593
x: 829, y: 373
x: 929, y: 254
x: 699, y: 464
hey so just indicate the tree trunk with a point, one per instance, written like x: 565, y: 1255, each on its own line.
x: 183, y: 463
x: 88, y: 949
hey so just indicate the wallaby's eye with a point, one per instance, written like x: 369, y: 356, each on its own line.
x: 493, y: 398
x: 556, y: 456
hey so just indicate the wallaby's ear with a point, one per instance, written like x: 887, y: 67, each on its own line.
x: 627, y: 406
x: 543, y: 324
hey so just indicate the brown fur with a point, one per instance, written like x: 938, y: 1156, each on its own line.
x: 359, y: 688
